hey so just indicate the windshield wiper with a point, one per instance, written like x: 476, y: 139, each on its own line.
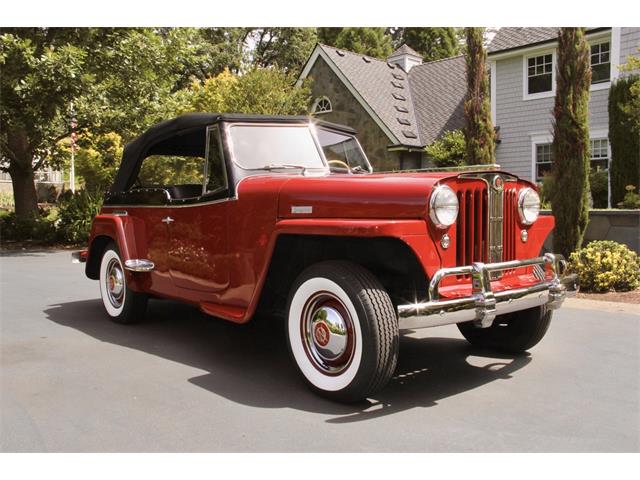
x: 280, y: 166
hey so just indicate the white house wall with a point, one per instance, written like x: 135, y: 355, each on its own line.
x: 522, y: 122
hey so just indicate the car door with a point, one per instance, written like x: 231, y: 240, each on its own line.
x: 198, y: 227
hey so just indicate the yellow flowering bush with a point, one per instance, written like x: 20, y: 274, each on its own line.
x: 604, y: 265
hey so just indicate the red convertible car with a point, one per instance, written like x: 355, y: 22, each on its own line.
x: 237, y: 214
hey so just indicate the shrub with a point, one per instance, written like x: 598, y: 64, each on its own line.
x: 448, y: 151
x: 545, y: 186
x: 40, y: 230
x: 605, y: 265
x: 631, y: 198
x: 599, y: 184
x: 75, y: 215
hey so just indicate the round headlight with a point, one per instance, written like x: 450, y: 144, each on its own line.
x: 528, y: 205
x: 443, y: 206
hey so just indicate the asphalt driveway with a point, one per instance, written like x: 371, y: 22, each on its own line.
x: 73, y: 381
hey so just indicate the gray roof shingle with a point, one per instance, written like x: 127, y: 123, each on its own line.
x: 405, y: 50
x: 509, y: 38
x: 381, y: 90
x: 438, y: 90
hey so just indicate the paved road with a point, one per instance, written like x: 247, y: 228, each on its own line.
x: 73, y: 381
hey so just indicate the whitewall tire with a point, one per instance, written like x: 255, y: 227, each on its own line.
x: 342, y: 330
x: 122, y: 304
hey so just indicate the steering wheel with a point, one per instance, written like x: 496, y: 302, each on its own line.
x: 340, y: 163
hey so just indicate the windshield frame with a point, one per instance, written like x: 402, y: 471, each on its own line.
x: 227, y: 126
x: 346, y: 134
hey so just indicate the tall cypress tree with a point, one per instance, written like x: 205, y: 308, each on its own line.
x: 570, y: 192
x: 479, y: 132
x: 623, y: 138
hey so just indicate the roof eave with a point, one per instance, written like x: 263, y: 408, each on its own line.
x: 513, y: 50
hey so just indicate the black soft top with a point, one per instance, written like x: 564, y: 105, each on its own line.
x: 185, y: 136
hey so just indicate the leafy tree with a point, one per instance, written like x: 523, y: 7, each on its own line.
x: 448, y: 151
x: 633, y: 107
x: 624, y: 137
x: 98, y: 159
x: 283, y: 47
x: 39, y: 79
x: 570, y: 189
x: 116, y: 77
x: 372, y: 41
x: 479, y: 133
x: 329, y: 35
x: 260, y: 91
x: 433, y: 43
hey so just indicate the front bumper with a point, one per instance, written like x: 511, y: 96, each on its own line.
x: 483, y: 305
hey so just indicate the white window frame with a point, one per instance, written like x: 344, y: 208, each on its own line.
x: 595, y: 40
x: 537, y: 139
x: 317, y: 102
x: 614, y: 52
x: 525, y: 75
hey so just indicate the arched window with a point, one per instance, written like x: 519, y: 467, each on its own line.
x: 321, y: 105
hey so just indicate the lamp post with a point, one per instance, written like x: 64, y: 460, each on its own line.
x: 72, y: 172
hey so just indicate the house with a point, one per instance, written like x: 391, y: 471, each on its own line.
x: 398, y: 105
x: 523, y: 69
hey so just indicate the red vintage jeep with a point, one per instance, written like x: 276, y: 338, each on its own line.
x: 284, y: 214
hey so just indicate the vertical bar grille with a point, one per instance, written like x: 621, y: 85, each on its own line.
x: 510, y: 212
x: 486, y: 226
x: 471, y: 226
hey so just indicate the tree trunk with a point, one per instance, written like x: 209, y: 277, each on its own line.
x: 21, y: 171
x: 24, y: 192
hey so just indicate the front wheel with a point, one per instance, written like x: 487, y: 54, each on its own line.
x: 122, y: 304
x: 513, y: 332
x: 342, y: 330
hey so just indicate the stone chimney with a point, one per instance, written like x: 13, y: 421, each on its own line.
x: 405, y: 57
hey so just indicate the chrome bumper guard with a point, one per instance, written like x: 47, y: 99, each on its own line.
x: 483, y: 304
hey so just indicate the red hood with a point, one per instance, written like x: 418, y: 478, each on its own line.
x: 397, y: 195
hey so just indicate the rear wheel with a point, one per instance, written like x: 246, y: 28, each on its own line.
x: 122, y: 304
x: 342, y: 330
x: 514, y: 332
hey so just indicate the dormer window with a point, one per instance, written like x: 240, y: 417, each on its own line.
x: 321, y: 105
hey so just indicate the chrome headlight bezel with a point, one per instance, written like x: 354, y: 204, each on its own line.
x: 443, y: 206
x: 528, y: 206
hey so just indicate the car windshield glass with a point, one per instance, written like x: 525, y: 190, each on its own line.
x: 269, y: 146
x: 342, y: 150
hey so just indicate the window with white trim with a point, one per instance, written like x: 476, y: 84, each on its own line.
x: 321, y: 105
x: 540, y: 74
x: 544, y: 160
x: 600, y: 62
x: 599, y: 154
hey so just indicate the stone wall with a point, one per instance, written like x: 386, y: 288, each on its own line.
x: 622, y: 226
x: 348, y: 111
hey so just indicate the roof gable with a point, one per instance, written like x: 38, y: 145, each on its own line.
x: 413, y: 108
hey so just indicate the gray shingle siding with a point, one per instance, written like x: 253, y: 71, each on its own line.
x: 520, y: 119
x: 629, y: 42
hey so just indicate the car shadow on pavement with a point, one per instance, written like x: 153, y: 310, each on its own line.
x: 250, y: 364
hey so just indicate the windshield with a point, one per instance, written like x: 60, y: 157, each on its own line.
x: 257, y: 147
x: 342, y: 151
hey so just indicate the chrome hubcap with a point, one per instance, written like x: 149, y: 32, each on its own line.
x: 115, y: 283
x: 327, y: 331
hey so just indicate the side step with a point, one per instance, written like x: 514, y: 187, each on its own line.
x: 139, y: 265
